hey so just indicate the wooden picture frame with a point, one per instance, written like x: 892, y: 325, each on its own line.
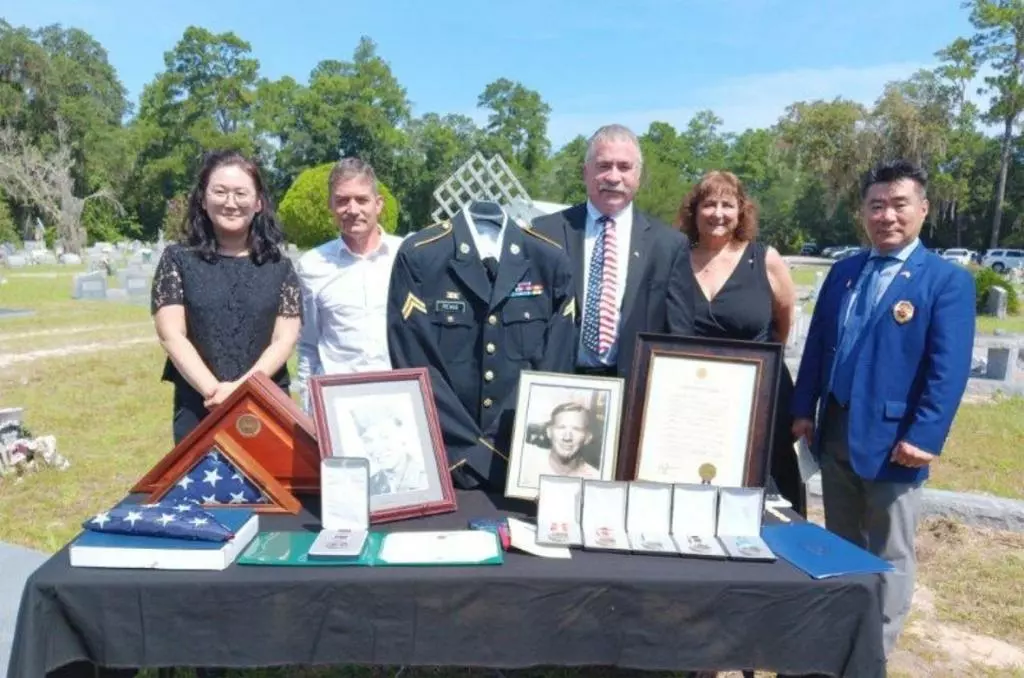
x: 701, y: 410
x: 262, y: 419
x: 237, y: 460
x: 389, y: 418
x: 566, y: 425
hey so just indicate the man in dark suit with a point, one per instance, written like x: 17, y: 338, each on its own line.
x: 884, y: 368
x: 631, y: 271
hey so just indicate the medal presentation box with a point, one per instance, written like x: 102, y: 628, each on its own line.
x: 345, y: 508
x: 604, y: 516
x: 559, y: 511
x: 695, y: 521
x: 740, y: 515
x: 649, y: 518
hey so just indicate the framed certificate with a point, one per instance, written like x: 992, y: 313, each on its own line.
x: 389, y: 419
x: 700, y: 411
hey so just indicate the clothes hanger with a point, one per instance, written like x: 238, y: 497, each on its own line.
x: 487, y: 212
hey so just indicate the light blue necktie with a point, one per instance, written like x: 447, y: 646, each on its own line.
x: 856, y: 322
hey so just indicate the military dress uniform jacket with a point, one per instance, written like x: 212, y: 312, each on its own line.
x: 475, y: 337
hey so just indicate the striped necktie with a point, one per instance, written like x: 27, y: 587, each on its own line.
x: 601, y: 314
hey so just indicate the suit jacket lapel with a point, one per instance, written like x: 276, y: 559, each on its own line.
x: 638, y: 245
x: 512, y: 266
x: 906, y: 274
x: 575, y: 231
x: 466, y: 264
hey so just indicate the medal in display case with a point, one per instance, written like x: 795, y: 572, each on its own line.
x: 559, y: 511
x: 695, y: 521
x: 344, y: 508
x: 649, y: 518
x: 740, y: 514
x: 604, y: 515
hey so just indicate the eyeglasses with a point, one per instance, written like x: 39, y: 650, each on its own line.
x: 242, y: 198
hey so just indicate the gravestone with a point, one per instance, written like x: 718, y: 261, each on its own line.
x: 1001, y: 362
x: 136, y: 283
x: 70, y: 259
x: 995, y: 302
x: 17, y: 260
x: 90, y: 286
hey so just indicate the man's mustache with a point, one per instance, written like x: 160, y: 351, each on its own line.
x: 604, y: 188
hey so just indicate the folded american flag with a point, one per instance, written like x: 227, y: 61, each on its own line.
x: 177, y: 521
x: 214, y: 479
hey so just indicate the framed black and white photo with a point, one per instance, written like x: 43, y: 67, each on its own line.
x: 389, y: 419
x: 566, y: 425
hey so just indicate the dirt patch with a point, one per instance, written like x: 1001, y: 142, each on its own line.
x: 8, y: 359
x: 80, y: 329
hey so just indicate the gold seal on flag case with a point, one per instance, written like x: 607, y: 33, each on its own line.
x: 903, y: 311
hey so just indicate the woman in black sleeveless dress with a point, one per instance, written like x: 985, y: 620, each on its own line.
x: 743, y: 290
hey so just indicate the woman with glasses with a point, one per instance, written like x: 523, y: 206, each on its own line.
x: 226, y: 302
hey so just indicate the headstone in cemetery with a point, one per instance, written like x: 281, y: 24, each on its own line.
x: 1001, y: 362
x: 17, y: 260
x: 136, y: 283
x: 69, y: 259
x: 995, y: 302
x: 90, y: 286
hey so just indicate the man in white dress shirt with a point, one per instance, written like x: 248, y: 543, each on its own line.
x: 345, y: 283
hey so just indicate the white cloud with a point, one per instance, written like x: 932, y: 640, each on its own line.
x: 746, y: 101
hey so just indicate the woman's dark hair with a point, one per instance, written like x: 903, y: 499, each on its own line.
x: 265, y: 236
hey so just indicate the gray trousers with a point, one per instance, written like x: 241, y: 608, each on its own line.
x: 880, y: 517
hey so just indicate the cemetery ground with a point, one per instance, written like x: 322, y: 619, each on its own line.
x: 88, y: 373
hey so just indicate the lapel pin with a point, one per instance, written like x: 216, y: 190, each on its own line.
x: 849, y: 284
x: 464, y: 248
x: 514, y: 248
x: 636, y: 253
x: 903, y: 311
x: 905, y: 274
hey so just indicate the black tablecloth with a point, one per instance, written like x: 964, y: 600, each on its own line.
x: 630, y: 611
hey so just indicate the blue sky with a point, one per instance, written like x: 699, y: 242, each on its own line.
x: 593, y: 61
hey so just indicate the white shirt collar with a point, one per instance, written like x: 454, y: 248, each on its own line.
x: 626, y: 213
x: 383, y: 247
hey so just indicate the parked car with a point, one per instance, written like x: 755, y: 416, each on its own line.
x: 958, y: 255
x: 809, y: 249
x: 1003, y: 260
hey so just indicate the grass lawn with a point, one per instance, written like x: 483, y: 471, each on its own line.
x: 111, y: 416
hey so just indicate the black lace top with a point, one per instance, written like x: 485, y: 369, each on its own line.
x: 231, y: 305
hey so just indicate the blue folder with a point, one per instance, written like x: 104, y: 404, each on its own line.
x: 820, y: 553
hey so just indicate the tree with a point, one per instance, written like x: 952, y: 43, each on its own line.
x: 305, y: 215
x: 517, y: 127
x: 46, y: 182
x: 999, y: 42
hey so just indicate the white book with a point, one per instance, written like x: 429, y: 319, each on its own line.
x: 130, y: 552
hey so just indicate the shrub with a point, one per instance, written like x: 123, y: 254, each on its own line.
x: 985, y: 279
x: 305, y: 216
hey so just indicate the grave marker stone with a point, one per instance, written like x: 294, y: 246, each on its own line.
x: 995, y: 302
x: 136, y: 283
x: 90, y: 286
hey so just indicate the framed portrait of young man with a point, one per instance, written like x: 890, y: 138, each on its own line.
x: 565, y: 425
x: 390, y: 419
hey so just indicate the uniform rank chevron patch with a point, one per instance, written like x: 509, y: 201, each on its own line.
x: 570, y: 309
x: 412, y: 303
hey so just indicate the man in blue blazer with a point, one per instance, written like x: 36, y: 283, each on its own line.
x: 884, y: 368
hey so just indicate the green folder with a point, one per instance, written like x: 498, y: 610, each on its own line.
x: 292, y: 549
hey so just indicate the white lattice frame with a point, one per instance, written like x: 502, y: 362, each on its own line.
x: 477, y: 179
